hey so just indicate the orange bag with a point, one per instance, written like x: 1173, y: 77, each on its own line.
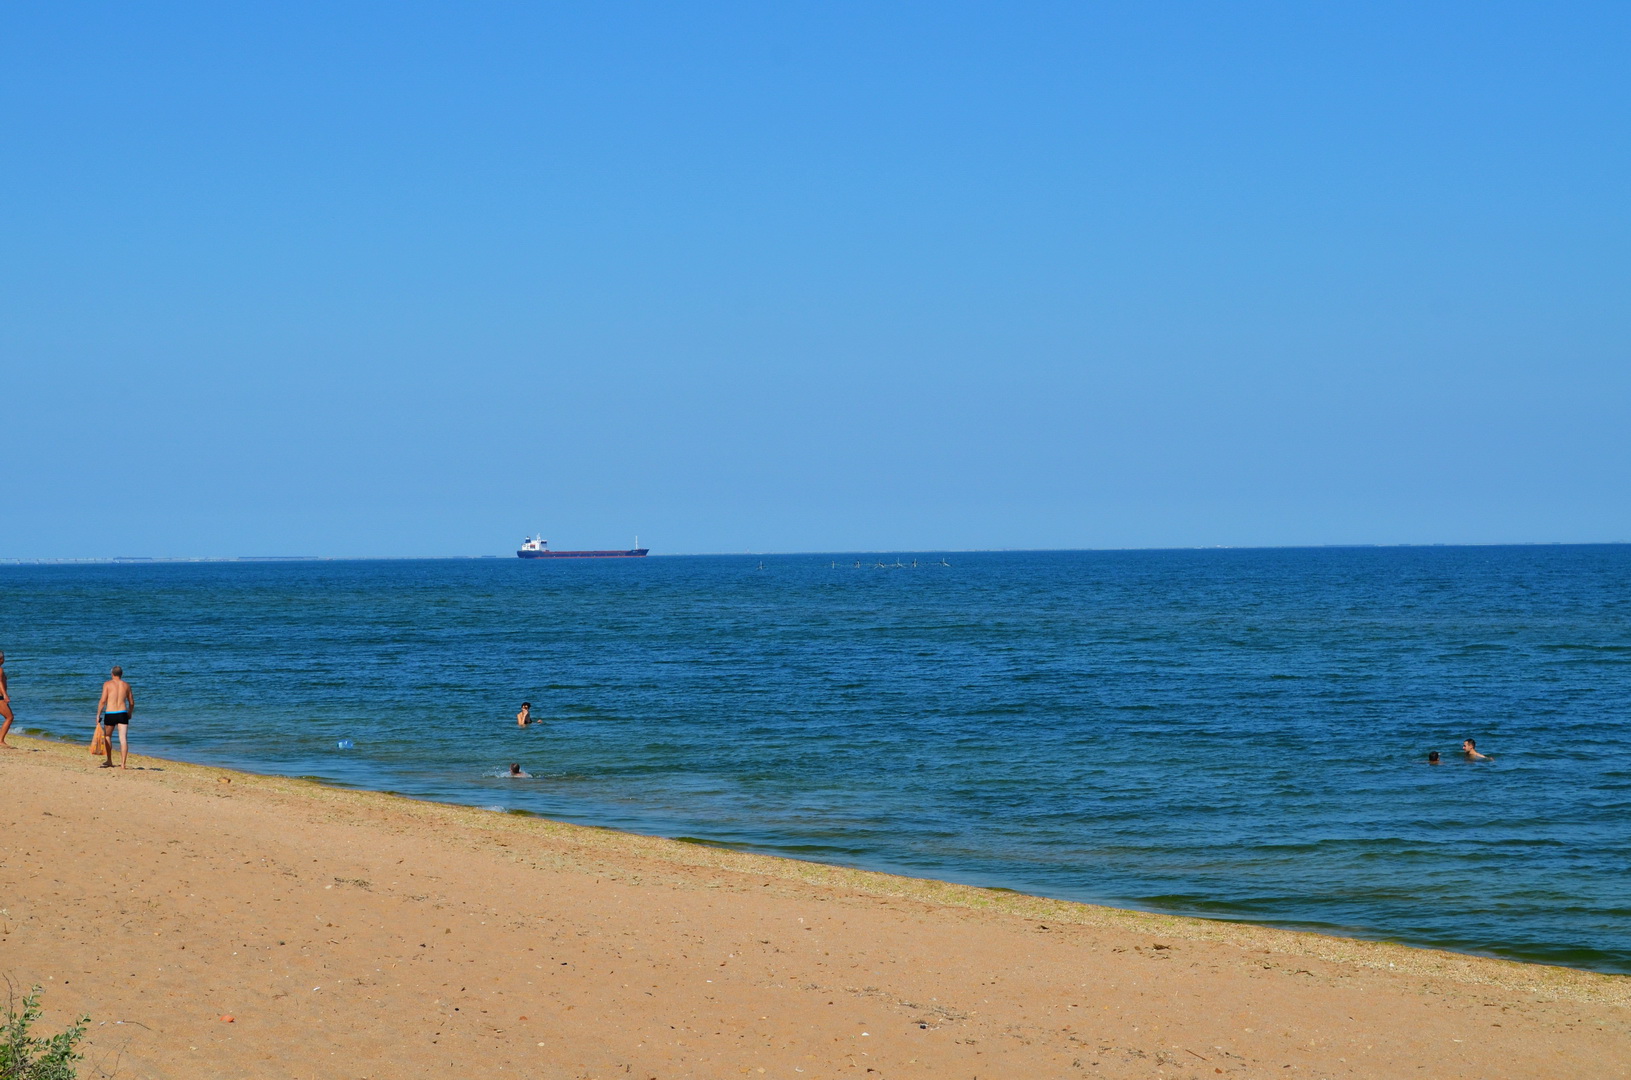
x: 99, y: 741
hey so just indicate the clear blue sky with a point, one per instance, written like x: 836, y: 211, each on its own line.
x: 411, y: 279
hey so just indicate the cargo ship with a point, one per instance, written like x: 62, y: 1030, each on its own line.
x: 536, y: 547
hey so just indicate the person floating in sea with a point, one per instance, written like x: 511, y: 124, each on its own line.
x: 113, y: 711
x: 5, y: 705
x: 524, y: 717
x: 517, y: 774
x: 1469, y: 750
x: 1433, y: 758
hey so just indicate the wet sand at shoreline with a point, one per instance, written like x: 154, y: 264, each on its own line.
x: 356, y: 934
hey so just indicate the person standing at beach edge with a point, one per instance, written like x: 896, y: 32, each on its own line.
x: 5, y: 705
x: 113, y: 710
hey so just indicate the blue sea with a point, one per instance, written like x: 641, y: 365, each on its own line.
x: 1238, y: 734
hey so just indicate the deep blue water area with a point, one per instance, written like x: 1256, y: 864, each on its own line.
x: 1239, y: 734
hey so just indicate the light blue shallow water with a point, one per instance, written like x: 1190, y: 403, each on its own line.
x: 1238, y: 734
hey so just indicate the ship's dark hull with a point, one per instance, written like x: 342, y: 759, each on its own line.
x: 632, y: 553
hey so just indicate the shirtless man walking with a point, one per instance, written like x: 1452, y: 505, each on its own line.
x: 5, y: 704
x: 113, y: 711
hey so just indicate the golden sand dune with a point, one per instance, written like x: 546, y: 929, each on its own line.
x: 350, y: 934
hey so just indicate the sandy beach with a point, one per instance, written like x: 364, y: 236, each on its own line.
x: 355, y: 934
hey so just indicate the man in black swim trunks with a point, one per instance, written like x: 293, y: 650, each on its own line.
x: 113, y: 711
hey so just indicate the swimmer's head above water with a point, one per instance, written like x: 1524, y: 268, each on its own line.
x: 1432, y: 757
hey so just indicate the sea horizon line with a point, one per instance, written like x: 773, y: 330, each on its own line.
x: 108, y: 560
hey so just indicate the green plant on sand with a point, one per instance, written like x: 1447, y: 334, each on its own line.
x: 24, y: 1057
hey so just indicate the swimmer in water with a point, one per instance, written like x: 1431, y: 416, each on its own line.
x: 1432, y: 758
x: 524, y: 717
x: 1469, y: 749
x: 517, y: 774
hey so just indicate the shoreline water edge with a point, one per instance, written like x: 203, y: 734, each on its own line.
x: 279, y: 925
x: 1324, y: 944
x: 942, y: 890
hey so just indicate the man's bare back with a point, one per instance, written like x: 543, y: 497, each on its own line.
x: 115, y: 697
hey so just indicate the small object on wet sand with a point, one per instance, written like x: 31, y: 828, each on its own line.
x: 228, y: 1020
x: 223, y: 779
